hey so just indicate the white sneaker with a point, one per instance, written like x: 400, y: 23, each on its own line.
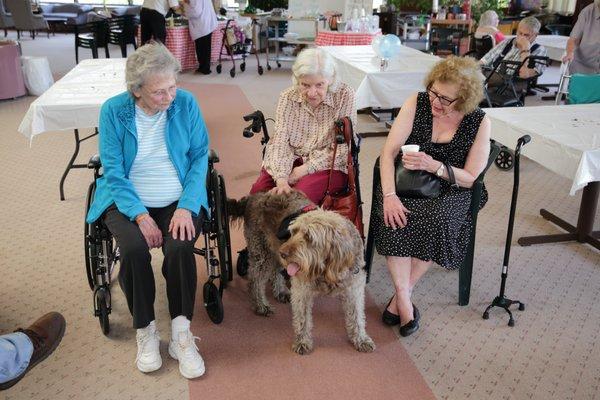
x: 184, y: 349
x: 148, y: 355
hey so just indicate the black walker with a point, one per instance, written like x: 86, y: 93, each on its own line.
x: 501, y: 300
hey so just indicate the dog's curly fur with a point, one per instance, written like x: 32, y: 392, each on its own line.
x: 326, y: 248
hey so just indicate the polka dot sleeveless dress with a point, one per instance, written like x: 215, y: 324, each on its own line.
x: 437, y: 229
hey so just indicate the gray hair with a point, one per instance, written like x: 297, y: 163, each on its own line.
x: 532, y: 23
x: 489, y: 18
x: 315, y: 61
x: 149, y: 59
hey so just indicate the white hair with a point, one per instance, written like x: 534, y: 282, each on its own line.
x: 149, y: 59
x: 532, y: 23
x: 489, y: 18
x: 315, y: 61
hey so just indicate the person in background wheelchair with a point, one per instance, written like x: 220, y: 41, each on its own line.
x: 517, y: 49
x: 299, y: 153
x: 154, y: 151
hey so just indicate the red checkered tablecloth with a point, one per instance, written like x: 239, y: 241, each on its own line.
x: 333, y: 38
x: 183, y: 48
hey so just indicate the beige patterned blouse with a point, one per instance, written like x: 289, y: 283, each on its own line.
x: 301, y: 132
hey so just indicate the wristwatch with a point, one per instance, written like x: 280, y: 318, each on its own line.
x: 440, y: 170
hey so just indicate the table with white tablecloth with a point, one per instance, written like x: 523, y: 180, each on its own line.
x: 74, y: 102
x: 566, y: 140
x: 359, y: 67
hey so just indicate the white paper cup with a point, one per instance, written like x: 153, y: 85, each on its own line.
x: 407, y: 148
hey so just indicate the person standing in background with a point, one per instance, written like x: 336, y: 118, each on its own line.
x: 202, y: 22
x: 583, y: 47
x: 152, y: 19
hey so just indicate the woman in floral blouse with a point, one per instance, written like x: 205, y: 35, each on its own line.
x: 299, y: 153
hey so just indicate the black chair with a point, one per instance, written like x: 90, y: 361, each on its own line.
x: 512, y: 89
x: 558, y: 29
x: 121, y: 31
x: 444, y: 41
x: 92, y: 36
x: 481, y: 46
x: 466, y: 269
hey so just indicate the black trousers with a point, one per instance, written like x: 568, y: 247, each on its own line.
x: 153, y: 25
x: 203, y: 49
x: 135, y: 275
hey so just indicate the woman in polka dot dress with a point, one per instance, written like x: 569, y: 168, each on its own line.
x: 447, y: 124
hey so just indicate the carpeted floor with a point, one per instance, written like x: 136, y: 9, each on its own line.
x: 553, y: 352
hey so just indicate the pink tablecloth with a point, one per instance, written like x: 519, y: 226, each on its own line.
x: 333, y: 38
x: 182, y: 46
x: 11, y: 76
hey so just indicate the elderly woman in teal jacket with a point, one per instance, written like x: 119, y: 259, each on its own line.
x: 154, y: 152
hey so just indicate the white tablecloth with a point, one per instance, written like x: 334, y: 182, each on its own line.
x: 565, y: 139
x: 359, y: 67
x: 74, y: 101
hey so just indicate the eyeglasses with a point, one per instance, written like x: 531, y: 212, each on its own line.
x: 162, y: 92
x: 443, y: 99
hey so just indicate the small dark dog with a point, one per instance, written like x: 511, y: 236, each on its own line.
x: 321, y: 251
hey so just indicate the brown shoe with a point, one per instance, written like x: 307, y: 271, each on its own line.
x: 45, y: 335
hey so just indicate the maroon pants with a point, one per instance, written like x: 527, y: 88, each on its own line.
x: 312, y: 185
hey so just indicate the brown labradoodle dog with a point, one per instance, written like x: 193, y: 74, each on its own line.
x: 322, y: 252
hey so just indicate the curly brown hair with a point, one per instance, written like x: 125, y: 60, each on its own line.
x: 464, y: 72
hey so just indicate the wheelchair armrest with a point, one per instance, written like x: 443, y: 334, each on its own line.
x: 213, y: 157
x: 94, y: 162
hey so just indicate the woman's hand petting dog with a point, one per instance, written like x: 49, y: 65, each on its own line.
x: 283, y: 187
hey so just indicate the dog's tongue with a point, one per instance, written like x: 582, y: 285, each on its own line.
x: 292, y: 268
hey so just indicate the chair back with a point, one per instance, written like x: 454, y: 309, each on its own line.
x: 5, y: 17
x: 483, y: 45
x: 477, y: 187
x: 444, y: 41
x: 98, y: 29
x: 584, y: 89
x: 121, y: 29
x: 23, y: 17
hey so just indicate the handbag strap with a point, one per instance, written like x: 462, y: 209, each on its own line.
x: 451, y: 178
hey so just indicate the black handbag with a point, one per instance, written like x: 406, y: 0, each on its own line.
x: 415, y: 184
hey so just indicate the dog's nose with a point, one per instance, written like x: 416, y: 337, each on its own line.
x: 283, y: 255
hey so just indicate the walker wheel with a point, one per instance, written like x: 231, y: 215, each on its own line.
x: 486, y: 315
x: 242, y: 262
x: 219, y: 69
x: 260, y: 70
x: 511, y: 322
x: 213, y: 302
x: 243, y: 66
x: 268, y: 67
x: 232, y: 72
x: 278, y: 64
x: 521, y: 307
x: 505, y: 159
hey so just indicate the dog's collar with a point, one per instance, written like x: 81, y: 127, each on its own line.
x: 283, y: 233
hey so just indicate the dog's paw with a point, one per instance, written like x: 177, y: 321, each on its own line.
x: 302, y: 347
x: 263, y: 310
x: 283, y: 297
x: 365, y: 345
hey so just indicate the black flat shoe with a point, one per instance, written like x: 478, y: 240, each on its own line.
x: 411, y: 326
x: 389, y: 318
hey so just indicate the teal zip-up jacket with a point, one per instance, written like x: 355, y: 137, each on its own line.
x: 186, y: 141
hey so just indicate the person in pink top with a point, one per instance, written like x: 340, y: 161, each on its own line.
x: 300, y: 152
x: 488, y: 25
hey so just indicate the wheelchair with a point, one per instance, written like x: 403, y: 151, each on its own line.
x: 258, y: 123
x: 510, y: 92
x: 102, y: 253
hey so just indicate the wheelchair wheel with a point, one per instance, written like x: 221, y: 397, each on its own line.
x: 505, y: 159
x: 242, y: 262
x: 89, y: 247
x: 224, y: 237
x: 102, y: 310
x: 213, y: 302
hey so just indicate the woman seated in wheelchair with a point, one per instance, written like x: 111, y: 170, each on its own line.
x: 453, y: 134
x: 154, y: 152
x: 300, y: 152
